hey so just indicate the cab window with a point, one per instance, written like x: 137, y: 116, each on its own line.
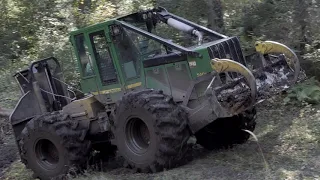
x: 103, y: 58
x: 128, y: 55
x: 83, y: 53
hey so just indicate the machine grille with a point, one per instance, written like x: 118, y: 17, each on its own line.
x: 227, y: 49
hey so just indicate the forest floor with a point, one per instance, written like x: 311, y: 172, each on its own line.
x: 289, y: 137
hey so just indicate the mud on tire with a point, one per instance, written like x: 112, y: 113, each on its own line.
x: 225, y: 132
x: 53, y: 145
x: 150, y: 130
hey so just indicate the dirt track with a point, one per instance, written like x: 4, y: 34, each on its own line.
x: 8, y: 148
x: 289, y: 137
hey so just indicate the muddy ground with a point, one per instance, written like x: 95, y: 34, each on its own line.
x: 8, y: 148
x: 289, y: 137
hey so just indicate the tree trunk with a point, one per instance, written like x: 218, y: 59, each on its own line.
x: 301, y: 17
x: 5, y: 112
x: 215, y: 15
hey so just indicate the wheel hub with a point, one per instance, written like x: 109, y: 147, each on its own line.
x: 145, y: 133
x: 46, y: 153
x: 137, y: 135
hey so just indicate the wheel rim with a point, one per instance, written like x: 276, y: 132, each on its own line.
x: 47, y: 154
x: 137, y: 135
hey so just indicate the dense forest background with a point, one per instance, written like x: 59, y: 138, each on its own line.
x: 34, y: 29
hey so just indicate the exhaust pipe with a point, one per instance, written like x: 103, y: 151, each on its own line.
x: 185, y: 28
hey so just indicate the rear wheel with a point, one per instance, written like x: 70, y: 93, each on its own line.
x: 53, y: 145
x: 225, y: 132
x: 150, y: 130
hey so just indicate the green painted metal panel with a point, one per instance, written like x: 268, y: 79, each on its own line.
x: 174, y: 78
x: 91, y: 27
x: 180, y: 79
x: 89, y: 84
x: 200, y: 66
x: 156, y: 78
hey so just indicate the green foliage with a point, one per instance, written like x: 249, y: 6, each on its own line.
x: 313, y: 51
x: 33, y: 29
x: 305, y: 92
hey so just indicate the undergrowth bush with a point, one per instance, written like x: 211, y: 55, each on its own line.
x: 305, y: 92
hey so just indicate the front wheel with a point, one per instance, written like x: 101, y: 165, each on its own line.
x: 150, y: 131
x: 52, y: 145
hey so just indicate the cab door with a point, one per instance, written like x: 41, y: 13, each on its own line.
x: 99, y: 70
x: 129, y: 59
x: 104, y: 58
x: 88, y: 79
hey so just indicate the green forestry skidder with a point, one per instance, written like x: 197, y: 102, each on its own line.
x: 150, y: 79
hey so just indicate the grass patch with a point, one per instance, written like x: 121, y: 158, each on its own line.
x: 17, y: 171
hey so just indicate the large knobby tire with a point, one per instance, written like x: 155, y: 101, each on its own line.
x: 53, y: 145
x: 151, y: 131
x: 226, y: 132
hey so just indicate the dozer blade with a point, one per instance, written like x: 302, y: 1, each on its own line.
x: 238, y: 88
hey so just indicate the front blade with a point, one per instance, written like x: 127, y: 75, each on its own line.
x: 279, y: 71
x: 274, y: 68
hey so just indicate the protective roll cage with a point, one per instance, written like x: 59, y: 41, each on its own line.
x: 154, y: 16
